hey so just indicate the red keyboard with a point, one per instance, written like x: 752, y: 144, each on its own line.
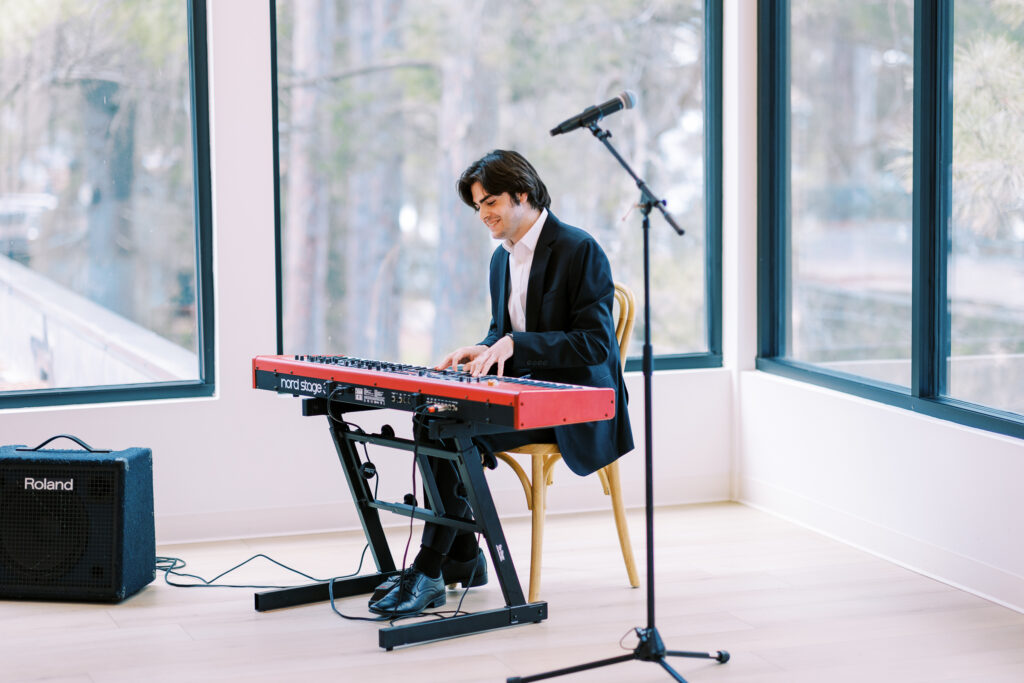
x: 516, y: 403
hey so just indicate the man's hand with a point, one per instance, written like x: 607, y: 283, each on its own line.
x: 499, y: 352
x: 462, y: 354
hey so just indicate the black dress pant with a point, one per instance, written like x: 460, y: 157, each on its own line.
x: 438, y: 537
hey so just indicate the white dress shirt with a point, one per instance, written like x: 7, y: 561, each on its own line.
x: 520, y: 260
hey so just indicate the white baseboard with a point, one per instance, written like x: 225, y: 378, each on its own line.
x: 955, y: 569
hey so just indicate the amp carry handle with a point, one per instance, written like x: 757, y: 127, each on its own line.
x: 66, y: 436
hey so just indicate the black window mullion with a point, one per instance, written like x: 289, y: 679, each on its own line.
x: 713, y: 173
x: 943, y: 334
x: 933, y: 106
x: 773, y: 176
x: 275, y: 134
x: 200, y: 95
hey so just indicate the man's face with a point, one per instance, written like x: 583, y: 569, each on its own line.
x: 506, y: 219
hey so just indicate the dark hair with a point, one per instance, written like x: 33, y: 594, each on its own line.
x: 504, y: 171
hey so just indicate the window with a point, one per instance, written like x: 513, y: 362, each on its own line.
x: 104, y: 202
x: 382, y: 105
x: 851, y: 123
x: 985, y: 358
x: 891, y: 225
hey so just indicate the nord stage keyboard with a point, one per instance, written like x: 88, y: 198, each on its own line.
x: 515, y: 403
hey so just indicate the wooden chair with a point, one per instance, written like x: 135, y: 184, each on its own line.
x: 543, y: 457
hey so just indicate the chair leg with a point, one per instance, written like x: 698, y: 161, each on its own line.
x: 517, y: 468
x: 612, y: 472
x: 540, y: 503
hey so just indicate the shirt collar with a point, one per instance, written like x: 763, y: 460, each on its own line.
x: 529, y: 240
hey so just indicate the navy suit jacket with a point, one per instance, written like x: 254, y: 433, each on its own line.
x: 570, y: 335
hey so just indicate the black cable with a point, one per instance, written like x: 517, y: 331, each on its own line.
x: 353, y: 426
x: 408, y: 541
x: 440, y: 614
x: 330, y: 593
x: 170, y: 565
x: 469, y: 583
x: 330, y: 585
x: 448, y: 614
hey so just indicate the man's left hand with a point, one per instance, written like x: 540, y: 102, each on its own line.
x: 498, y: 352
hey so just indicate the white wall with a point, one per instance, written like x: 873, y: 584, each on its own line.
x: 245, y: 463
x: 937, y: 497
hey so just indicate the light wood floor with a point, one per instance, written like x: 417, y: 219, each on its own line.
x: 789, y: 605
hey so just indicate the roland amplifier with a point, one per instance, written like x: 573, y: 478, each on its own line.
x: 75, y: 525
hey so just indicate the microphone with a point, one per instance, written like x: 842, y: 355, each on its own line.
x: 624, y: 100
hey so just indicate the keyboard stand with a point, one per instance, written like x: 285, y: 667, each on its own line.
x: 466, y: 458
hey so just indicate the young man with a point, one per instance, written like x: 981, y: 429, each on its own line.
x: 551, y: 318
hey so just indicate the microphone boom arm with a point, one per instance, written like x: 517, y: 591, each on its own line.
x: 648, y: 200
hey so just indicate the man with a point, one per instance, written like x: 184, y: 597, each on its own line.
x: 551, y: 318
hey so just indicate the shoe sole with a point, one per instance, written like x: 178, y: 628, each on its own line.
x: 464, y: 582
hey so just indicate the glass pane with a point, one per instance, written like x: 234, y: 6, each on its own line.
x: 986, y: 259
x: 383, y: 104
x: 851, y: 135
x: 97, y: 232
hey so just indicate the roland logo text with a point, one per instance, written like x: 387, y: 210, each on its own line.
x: 32, y: 484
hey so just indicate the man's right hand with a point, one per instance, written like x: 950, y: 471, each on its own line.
x: 463, y: 354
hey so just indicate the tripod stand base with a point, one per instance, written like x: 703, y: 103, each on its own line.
x: 649, y: 649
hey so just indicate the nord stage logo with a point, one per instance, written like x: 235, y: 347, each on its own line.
x: 302, y: 385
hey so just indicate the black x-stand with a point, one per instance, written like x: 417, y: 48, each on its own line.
x: 650, y: 648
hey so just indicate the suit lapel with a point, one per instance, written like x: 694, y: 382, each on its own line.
x: 541, y: 256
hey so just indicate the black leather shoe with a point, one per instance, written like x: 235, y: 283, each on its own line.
x: 470, y: 573
x: 414, y: 593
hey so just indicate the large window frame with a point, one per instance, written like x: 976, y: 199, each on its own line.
x: 202, y: 197
x: 712, y: 358
x: 933, y: 156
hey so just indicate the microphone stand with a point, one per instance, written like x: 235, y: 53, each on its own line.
x: 650, y: 648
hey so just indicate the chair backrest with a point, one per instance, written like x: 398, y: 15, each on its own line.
x: 627, y: 314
